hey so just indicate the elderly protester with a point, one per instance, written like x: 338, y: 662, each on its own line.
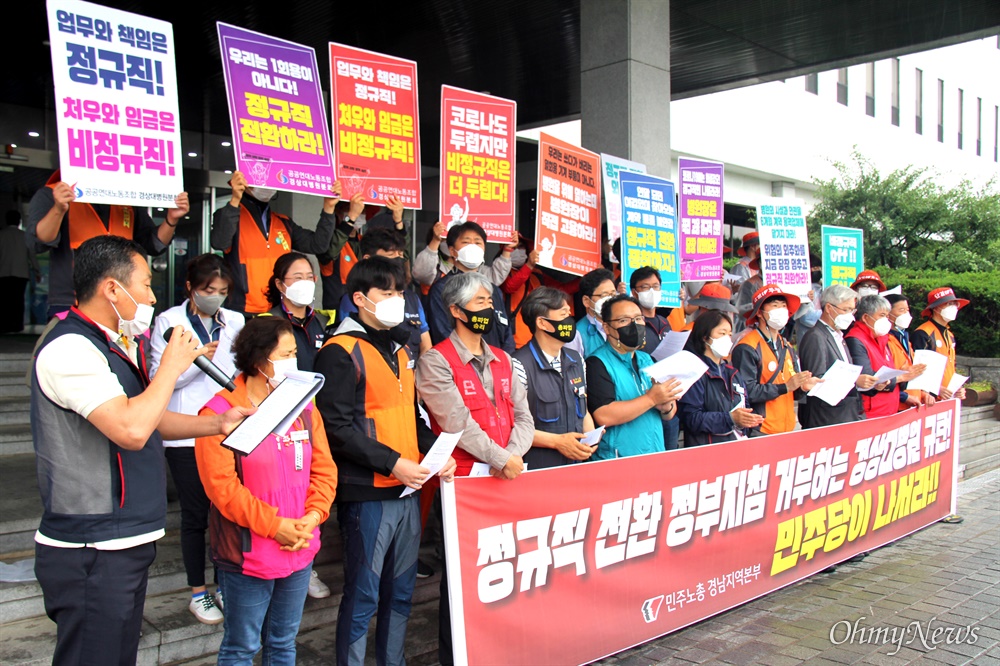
x: 820, y: 348
x: 868, y: 344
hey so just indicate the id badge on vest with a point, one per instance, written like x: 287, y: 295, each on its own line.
x: 298, y: 437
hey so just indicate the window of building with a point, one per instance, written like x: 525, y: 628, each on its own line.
x: 940, y: 111
x: 961, y: 116
x: 870, y: 89
x: 812, y: 83
x: 919, y: 101
x: 996, y: 133
x: 842, y: 86
x: 895, y: 92
x: 979, y: 127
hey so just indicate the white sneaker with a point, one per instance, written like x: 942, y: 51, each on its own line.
x: 205, y: 610
x: 317, y: 588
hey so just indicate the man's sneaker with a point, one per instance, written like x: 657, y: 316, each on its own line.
x: 205, y: 610
x: 218, y: 600
x: 317, y: 588
x: 424, y: 570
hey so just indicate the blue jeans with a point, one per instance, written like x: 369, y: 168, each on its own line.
x: 381, y: 539
x: 262, y: 611
x: 671, y: 430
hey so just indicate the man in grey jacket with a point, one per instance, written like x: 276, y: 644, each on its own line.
x: 821, y: 347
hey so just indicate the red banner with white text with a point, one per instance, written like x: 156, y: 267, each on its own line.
x: 568, y: 214
x: 568, y: 565
x: 376, y: 129
x: 478, y: 161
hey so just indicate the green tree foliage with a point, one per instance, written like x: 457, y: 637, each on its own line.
x: 977, y: 328
x: 909, y: 220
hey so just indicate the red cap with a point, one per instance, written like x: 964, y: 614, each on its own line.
x: 868, y: 276
x: 940, y: 296
x: 747, y: 238
x: 714, y: 296
x: 772, y: 291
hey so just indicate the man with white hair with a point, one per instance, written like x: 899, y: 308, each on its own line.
x: 820, y: 348
x: 468, y: 386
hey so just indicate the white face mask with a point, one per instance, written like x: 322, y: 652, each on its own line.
x: 843, y: 321
x: 598, y: 304
x: 722, y: 346
x: 281, y: 369
x: 882, y: 327
x: 649, y: 299
x: 903, y: 321
x: 867, y: 291
x: 139, y: 323
x: 301, y: 293
x: 518, y: 258
x: 262, y: 194
x: 389, y: 312
x: 949, y: 313
x: 777, y: 318
x: 471, y: 256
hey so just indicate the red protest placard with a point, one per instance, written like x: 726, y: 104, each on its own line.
x: 376, y: 138
x: 568, y: 217
x: 570, y: 564
x: 478, y: 161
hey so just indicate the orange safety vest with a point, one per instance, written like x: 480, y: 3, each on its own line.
x: 258, y: 254
x: 521, y: 333
x: 85, y: 223
x: 678, y: 321
x: 386, y: 414
x: 779, y: 414
x: 348, y: 259
x: 902, y: 360
x: 944, y: 345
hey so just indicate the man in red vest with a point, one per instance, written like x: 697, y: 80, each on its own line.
x: 253, y: 236
x: 58, y: 224
x: 468, y: 385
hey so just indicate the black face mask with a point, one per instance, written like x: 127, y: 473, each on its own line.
x: 632, y: 335
x: 398, y: 261
x: 565, y: 329
x: 817, y: 276
x: 479, y: 321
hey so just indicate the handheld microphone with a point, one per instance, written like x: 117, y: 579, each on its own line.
x: 209, y: 368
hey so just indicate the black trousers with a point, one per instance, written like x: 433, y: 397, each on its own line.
x: 194, y: 510
x: 12, y: 304
x: 96, y: 598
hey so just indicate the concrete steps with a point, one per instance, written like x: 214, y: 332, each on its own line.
x: 980, y: 441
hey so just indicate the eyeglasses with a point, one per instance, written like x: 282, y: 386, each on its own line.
x: 295, y: 277
x: 842, y: 310
x: 625, y: 321
x: 642, y: 288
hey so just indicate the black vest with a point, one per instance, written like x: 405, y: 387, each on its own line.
x: 558, y: 403
x: 92, y: 489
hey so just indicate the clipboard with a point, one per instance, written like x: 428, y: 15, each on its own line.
x: 276, y: 412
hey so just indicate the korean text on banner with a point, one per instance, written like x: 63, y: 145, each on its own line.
x: 662, y: 541
x: 701, y: 214
x: 280, y: 135
x: 376, y: 139
x: 610, y: 166
x: 478, y: 161
x: 843, y: 255
x: 568, y: 221
x: 784, y: 245
x: 116, y: 104
x: 649, y: 232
